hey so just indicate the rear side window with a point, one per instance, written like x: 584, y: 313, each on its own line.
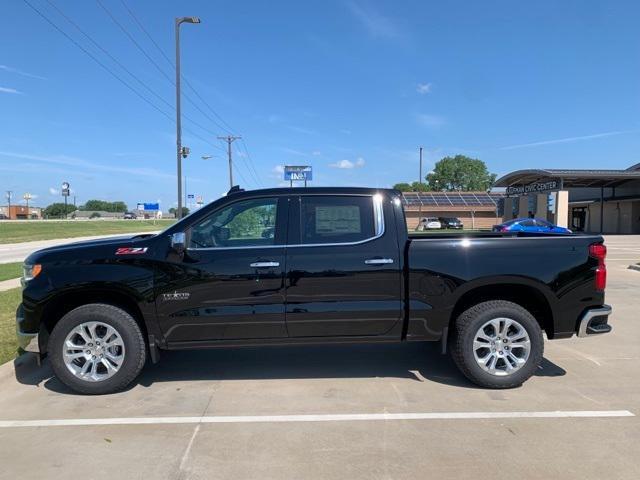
x: 336, y: 219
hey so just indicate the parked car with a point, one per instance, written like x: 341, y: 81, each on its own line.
x: 339, y: 267
x: 430, y: 223
x: 130, y: 216
x: 536, y: 225
x: 3, y: 217
x: 451, y: 222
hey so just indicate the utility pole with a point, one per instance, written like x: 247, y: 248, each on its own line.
x: 178, y: 22
x: 9, y: 193
x: 420, y: 183
x: 230, y: 139
x: 420, y: 174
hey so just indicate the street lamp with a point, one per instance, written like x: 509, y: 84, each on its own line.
x: 179, y: 21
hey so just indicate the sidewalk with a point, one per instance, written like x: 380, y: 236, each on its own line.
x: 9, y: 284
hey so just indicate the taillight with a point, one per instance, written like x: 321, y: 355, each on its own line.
x: 599, y: 252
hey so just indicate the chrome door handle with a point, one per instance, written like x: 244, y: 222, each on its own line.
x: 264, y: 264
x: 378, y: 261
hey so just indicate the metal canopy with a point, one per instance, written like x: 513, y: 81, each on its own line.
x: 571, y: 178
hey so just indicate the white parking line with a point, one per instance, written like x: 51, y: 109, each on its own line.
x: 350, y: 417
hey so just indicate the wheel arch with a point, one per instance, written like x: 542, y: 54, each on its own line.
x: 526, y: 293
x: 61, y: 304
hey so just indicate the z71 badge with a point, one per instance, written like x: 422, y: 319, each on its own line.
x: 131, y: 251
x: 175, y: 296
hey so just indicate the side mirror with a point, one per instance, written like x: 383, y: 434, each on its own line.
x: 178, y: 240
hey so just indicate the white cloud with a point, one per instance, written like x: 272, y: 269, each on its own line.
x: 429, y: 120
x: 10, y: 90
x: 564, y: 140
x: 17, y: 71
x: 54, y: 191
x: 376, y: 24
x: 348, y: 164
x: 423, y: 88
x: 316, y: 153
x: 278, y: 169
x: 346, y: 131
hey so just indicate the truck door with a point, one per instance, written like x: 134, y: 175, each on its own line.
x: 343, y: 267
x: 230, y: 283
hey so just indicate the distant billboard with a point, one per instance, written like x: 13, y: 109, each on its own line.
x: 298, y: 173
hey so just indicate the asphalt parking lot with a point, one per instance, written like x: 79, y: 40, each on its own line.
x: 335, y: 412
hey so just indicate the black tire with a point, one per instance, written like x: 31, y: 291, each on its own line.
x: 128, y: 329
x: 470, y: 321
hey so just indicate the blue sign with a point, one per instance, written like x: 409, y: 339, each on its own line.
x: 191, y: 195
x: 151, y: 206
x: 301, y: 173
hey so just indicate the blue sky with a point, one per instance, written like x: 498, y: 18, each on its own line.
x: 351, y: 87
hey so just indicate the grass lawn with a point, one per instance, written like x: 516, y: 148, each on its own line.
x: 10, y: 270
x: 9, y: 301
x: 28, y: 231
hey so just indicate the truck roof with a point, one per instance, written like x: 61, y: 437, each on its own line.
x: 318, y: 190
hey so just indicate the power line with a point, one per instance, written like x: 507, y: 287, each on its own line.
x: 248, y: 165
x: 241, y: 154
x: 105, y: 67
x: 223, y: 124
x: 246, y: 149
x: 106, y: 52
x: 230, y: 129
x: 154, y: 63
x: 90, y: 55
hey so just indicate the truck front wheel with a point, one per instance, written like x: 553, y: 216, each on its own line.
x: 97, y: 349
x: 497, y: 344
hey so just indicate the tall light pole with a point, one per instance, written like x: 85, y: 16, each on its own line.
x: 179, y: 21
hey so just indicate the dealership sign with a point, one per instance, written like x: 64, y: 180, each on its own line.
x: 533, y: 188
x: 301, y: 173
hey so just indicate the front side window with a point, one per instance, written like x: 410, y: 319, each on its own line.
x: 336, y: 219
x: 250, y: 223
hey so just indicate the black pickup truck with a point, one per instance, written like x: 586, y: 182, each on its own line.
x: 308, y: 265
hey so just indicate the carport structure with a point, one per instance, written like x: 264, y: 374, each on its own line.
x: 603, y: 201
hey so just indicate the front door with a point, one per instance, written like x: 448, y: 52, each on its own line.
x: 230, y: 283
x: 343, y: 268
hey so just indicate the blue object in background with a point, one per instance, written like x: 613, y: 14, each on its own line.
x: 536, y: 225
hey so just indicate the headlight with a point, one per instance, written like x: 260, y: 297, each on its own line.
x: 31, y: 271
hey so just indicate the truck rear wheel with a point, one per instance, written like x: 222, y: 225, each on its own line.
x: 97, y: 349
x: 497, y: 344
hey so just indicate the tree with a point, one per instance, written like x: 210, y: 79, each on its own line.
x: 58, y: 209
x: 185, y: 211
x: 403, y: 187
x: 104, y: 206
x: 414, y: 187
x: 420, y: 187
x: 460, y: 173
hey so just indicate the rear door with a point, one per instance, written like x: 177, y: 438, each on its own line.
x: 343, y: 267
x: 230, y: 283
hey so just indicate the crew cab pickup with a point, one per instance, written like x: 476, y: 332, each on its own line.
x: 308, y: 265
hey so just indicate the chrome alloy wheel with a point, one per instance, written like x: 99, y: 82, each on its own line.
x: 93, y: 351
x: 501, y: 346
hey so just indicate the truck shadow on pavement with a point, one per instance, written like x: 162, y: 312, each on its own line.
x: 419, y: 362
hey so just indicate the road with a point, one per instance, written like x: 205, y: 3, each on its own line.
x: 334, y: 412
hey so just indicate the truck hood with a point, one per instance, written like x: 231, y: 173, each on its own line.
x: 98, y: 248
